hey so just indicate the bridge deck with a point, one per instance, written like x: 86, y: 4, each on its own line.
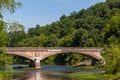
x: 43, y: 49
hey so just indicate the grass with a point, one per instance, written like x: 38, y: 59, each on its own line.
x: 86, y: 67
x: 88, y: 76
x: 7, y: 74
x: 9, y: 71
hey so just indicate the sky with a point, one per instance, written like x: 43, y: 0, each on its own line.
x: 44, y: 12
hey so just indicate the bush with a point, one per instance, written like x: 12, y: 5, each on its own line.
x: 112, y: 58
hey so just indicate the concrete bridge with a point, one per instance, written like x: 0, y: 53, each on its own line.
x: 36, y: 54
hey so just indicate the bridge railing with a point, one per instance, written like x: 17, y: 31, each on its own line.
x: 64, y: 49
x: 52, y: 47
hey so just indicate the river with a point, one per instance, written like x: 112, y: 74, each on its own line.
x: 51, y: 73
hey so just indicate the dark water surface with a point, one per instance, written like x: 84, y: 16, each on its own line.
x: 52, y: 73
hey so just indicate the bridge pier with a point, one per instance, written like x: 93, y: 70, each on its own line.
x: 37, y: 63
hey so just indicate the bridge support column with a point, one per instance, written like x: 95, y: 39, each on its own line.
x: 37, y: 63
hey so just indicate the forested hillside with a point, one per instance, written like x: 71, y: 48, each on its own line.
x: 93, y: 27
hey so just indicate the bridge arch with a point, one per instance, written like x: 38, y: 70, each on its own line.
x: 21, y: 55
x: 94, y: 57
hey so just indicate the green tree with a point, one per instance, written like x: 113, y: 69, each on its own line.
x: 3, y: 34
x: 10, y: 5
x: 14, y: 27
x: 112, y: 58
x: 90, y: 43
x: 65, y: 41
x: 113, y: 3
x: 4, y: 60
x: 80, y: 37
x: 15, y: 33
x: 52, y: 41
x: 73, y: 59
x: 112, y: 29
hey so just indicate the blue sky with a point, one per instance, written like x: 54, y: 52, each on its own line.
x: 46, y: 11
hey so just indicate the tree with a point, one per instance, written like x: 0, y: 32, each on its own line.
x: 112, y: 58
x: 113, y: 3
x: 3, y: 35
x: 4, y: 60
x: 65, y: 41
x: 80, y: 37
x: 52, y: 41
x: 15, y: 32
x: 14, y: 27
x: 112, y: 29
x: 10, y: 5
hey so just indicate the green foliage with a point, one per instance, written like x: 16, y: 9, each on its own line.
x: 4, y: 60
x: 80, y: 37
x: 3, y: 35
x: 7, y: 75
x: 65, y: 41
x: 88, y: 76
x: 113, y: 3
x: 112, y: 39
x: 14, y: 27
x: 73, y: 59
x: 90, y: 42
x: 51, y: 41
x: 112, y: 58
x: 3, y: 39
x: 112, y: 30
x: 10, y: 5
x: 39, y: 41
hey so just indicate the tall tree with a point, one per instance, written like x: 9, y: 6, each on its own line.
x: 112, y: 29
x: 112, y: 58
x: 15, y: 32
x: 10, y: 5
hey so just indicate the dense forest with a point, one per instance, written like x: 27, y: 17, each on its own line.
x: 95, y: 26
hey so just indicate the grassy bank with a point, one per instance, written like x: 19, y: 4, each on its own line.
x: 8, y: 74
x: 88, y: 76
x: 86, y: 67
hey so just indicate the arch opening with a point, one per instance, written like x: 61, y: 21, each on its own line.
x: 68, y: 58
x: 21, y: 61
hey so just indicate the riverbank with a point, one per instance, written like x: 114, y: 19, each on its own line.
x: 8, y: 74
x: 97, y: 75
x: 88, y: 76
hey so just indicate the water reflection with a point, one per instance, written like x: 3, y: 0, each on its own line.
x: 36, y: 75
x: 42, y: 75
x: 51, y: 73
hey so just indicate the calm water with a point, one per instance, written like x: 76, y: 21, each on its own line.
x: 51, y: 73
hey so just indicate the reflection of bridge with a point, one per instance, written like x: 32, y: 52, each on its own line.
x: 36, y: 54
